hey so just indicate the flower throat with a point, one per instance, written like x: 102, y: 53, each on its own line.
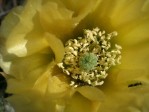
x: 87, y: 59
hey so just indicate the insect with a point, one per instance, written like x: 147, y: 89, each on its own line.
x: 135, y: 84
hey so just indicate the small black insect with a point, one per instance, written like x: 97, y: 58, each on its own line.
x: 135, y: 84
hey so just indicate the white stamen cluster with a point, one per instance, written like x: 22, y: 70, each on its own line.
x: 87, y: 59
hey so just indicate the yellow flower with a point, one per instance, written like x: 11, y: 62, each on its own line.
x: 32, y: 39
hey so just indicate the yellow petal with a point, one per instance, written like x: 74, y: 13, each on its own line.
x: 7, y: 24
x: 18, y: 86
x: 81, y: 8
x: 56, y: 45
x: 5, y: 65
x: 15, y: 43
x: 55, y: 19
x: 31, y: 101
x: 136, y: 57
x: 85, y: 99
x: 31, y: 67
x: 66, y: 14
x: 19, y: 23
x: 130, y: 100
x: 134, y: 33
x: 91, y: 93
x: 49, y: 84
x: 145, y: 8
x: 78, y: 103
x: 126, y: 11
x: 127, y: 77
x: 114, y: 15
x: 35, y: 39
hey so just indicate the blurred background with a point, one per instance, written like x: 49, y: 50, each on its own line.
x: 5, y: 7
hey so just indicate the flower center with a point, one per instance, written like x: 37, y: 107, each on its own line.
x: 87, y: 59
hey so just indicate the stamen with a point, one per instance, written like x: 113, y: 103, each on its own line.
x: 87, y: 59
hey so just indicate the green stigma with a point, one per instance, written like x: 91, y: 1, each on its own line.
x: 88, y: 61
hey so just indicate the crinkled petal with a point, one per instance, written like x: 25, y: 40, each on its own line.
x: 30, y: 68
x: 81, y: 8
x: 35, y: 39
x: 5, y: 65
x: 85, y: 99
x: 26, y: 70
x: 66, y: 15
x: 50, y: 83
x: 51, y: 13
x: 20, y: 24
x: 56, y: 45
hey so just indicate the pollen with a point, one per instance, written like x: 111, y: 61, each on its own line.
x: 88, y: 59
